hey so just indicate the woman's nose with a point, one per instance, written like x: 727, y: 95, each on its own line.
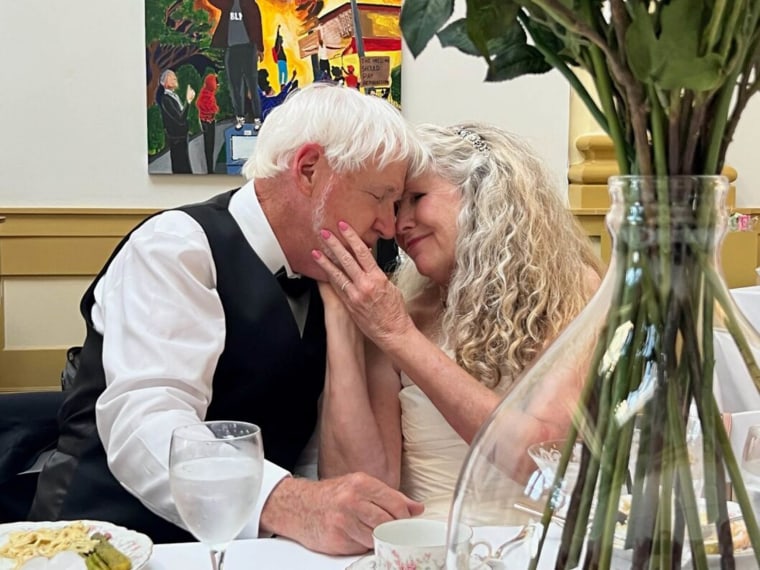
x: 403, y: 218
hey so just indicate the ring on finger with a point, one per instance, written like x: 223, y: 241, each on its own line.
x: 342, y: 287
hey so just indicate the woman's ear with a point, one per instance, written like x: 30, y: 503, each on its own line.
x: 305, y: 165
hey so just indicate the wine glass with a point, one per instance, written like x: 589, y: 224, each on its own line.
x: 215, y: 472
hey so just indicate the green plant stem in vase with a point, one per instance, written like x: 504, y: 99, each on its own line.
x: 672, y: 79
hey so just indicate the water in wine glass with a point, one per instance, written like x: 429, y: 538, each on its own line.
x: 215, y: 472
x: 214, y: 496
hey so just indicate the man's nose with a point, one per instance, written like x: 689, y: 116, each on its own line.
x: 386, y: 222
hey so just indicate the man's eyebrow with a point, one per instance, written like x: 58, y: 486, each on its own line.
x: 385, y: 190
x: 394, y: 190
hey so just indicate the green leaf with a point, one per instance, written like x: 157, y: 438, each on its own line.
x: 421, y: 19
x: 544, y: 36
x: 455, y: 35
x: 396, y: 84
x: 522, y: 61
x: 682, y: 28
x: 509, y: 55
x: 513, y: 56
x: 641, y: 45
x: 698, y: 74
x: 672, y: 60
x: 489, y: 20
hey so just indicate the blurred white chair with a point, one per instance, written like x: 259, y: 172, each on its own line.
x: 734, y: 389
x: 737, y: 425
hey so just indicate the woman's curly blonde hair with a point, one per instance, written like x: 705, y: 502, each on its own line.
x: 522, y: 262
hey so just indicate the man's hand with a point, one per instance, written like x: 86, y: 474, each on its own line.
x: 260, y: 56
x: 334, y: 516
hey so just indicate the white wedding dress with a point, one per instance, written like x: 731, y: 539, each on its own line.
x: 432, y: 455
x: 432, y: 452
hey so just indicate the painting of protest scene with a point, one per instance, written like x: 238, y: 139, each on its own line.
x: 216, y: 68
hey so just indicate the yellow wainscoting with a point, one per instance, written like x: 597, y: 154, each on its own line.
x: 40, y: 243
x: 740, y: 254
x: 45, y: 243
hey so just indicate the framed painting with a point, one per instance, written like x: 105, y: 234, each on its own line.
x: 216, y: 68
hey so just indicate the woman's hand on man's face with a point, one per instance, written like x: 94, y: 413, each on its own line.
x: 373, y: 301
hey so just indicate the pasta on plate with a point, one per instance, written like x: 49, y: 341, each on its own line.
x: 22, y: 545
x: 21, y: 541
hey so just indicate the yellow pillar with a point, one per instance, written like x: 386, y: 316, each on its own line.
x: 592, y: 161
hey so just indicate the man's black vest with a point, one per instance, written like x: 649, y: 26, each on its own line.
x: 267, y: 374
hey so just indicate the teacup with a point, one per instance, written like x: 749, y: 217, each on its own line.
x: 416, y: 543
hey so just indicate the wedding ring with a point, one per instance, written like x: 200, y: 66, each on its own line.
x: 342, y: 287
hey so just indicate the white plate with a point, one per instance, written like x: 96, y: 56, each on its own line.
x: 135, y: 545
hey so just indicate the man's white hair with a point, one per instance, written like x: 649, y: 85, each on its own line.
x: 352, y: 128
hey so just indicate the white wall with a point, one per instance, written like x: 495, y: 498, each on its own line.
x: 72, y: 109
x: 744, y: 155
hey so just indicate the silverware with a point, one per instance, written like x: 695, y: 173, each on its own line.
x: 494, y: 559
x: 556, y: 519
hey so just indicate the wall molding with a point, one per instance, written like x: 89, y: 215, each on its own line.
x: 52, y: 242
x: 66, y: 242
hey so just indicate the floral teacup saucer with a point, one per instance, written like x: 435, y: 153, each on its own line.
x: 368, y: 562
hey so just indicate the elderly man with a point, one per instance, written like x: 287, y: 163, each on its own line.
x: 188, y: 322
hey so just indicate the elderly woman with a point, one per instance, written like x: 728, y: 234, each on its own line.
x: 495, y: 266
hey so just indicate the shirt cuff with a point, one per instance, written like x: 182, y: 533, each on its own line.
x: 272, y: 476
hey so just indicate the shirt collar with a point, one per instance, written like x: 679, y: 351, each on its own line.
x: 174, y: 96
x: 247, y: 212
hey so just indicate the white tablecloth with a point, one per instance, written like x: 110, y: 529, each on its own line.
x: 283, y: 554
x: 259, y: 554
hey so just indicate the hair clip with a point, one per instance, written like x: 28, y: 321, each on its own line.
x: 474, y: 138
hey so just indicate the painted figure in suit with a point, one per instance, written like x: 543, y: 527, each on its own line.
x: 198, y: 315
x: 239, y: 32
x: 174, y: 114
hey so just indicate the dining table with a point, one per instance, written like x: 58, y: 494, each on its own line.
x: 284, y: 554
x: 246, y: 554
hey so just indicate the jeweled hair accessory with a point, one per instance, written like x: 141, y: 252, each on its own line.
x: 477, y: 141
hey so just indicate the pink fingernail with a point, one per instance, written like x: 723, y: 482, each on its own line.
x: 316, y: 254
x: 325, y: 234
x: 342, y: 226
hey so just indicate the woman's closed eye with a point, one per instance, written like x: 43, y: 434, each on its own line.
x: 409, y: 199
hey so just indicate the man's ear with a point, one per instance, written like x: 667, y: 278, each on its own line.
x: 305, y: 166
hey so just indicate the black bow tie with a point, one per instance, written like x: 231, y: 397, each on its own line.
x: 294, y: 287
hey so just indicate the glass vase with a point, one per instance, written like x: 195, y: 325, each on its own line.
x: 610, y: 451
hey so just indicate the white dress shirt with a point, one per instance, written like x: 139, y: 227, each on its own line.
x: 163, y: 332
